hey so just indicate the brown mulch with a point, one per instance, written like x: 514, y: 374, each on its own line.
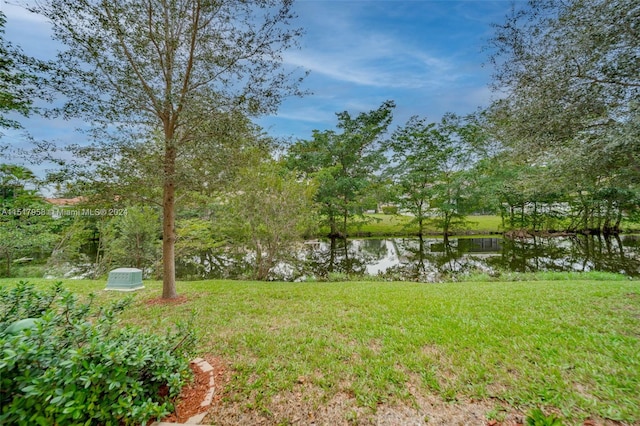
x: 188, y: 402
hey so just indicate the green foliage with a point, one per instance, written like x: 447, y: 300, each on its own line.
x: 570, y: 113
x: 22, y: 237
x: 76, y: 367
x: 130, y: 237
x: 15, y: 94
x: 570, y: 71
x: 537, y: 418
x: 199, y: 244
x: 25, y: 225
x: 133, y: 238
x: 170, y: 85
x: 76, y: 234
x: 344, y: 164
x: 28, y: 270
x: 268, y: 213
x: 432, y: 169
x: 390, y: 209
x: 337, y: 277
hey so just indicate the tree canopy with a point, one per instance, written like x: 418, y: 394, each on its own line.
x: 432, y: 165
x: 571, y: 74
x: 344, y: 163
x: 137, y: 69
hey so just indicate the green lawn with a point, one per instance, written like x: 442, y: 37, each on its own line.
x: 392, y: 225
x: 570, y: 346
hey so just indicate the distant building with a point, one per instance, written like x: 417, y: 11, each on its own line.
x: 60, y: 206
x: 65, y: 201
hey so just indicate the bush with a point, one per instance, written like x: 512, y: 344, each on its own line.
x: 74, y: 366
x: 389, y: 209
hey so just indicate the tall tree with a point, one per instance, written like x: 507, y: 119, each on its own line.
x: 145, y: 66
x: 570, y: 71
x: 415, y: 166
x: 344, y: 164
x: 268, y: 213
x: 432, y: 163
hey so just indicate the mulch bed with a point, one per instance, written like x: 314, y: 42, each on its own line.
x: 188, y: 402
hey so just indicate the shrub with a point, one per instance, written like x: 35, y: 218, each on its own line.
x: 390, y: 209
x: 337, y: 277
x: 74, y: 366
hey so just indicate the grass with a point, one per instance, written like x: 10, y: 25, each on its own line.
x: 569, y: 345
x: 398, y: 225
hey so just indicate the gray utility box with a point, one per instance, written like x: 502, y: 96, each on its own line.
x: 125, y: 279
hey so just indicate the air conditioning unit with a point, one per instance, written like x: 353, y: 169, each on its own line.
x: 125, y: 279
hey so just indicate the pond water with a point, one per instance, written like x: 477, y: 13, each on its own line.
x: 429, y: 258
x: 421, y: 259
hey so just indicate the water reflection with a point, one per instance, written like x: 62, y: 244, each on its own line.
x: 577, y: 253
x: 431, y: 259
x: 353, y: 257
x: 425, y: 259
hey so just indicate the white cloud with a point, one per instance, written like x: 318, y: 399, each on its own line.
x: 425, y: 55
x: 342, y: 45
x: 376, y: 62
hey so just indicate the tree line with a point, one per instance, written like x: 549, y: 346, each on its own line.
x: 171, y: 88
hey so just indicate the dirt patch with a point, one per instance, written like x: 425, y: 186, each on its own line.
x: 310, y: 405
x: 160, y: 301
x: 304, y: 407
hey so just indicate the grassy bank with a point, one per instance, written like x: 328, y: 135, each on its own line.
x: 386, y: 225
x: 569, y: 346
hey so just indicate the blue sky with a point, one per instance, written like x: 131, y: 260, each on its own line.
x: 428, y: 56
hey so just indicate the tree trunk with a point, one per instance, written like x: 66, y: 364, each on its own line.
x: 345, y: 216
x: 333, y: 224
x: 420, y: 220
x: 445, y: 227
x: 421, y: 266
x: 347, y: 261
x: 618, y: 220
x: 332, y: 254
x: 168, y: 225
